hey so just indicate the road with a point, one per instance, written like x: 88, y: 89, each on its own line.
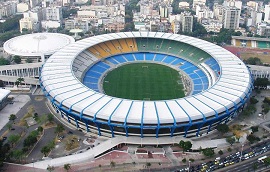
x: 246, y: 165
x: 48, y: 136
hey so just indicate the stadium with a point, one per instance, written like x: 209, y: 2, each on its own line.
x: 211, y: 85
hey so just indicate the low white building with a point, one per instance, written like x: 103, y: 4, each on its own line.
x: 212, y: 26
x: 3, y: 97
x: 183, y: 4
x: 50, y: 24
x: 22, y: 7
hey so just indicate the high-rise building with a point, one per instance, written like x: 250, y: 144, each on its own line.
x: 230, y: 17
x: 187, y: 22
x: 163, y: 11
x: 54, y: 13
x: 267, y: 13
x: 233, y: 3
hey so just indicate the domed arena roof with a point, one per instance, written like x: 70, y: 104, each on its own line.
x: 37, y: 44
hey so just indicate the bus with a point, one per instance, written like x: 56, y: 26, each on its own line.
x: 262, y: 158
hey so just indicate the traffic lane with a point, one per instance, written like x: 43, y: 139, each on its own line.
x: 242, y: 164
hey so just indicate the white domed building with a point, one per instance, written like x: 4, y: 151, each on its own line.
x: 37, y: 46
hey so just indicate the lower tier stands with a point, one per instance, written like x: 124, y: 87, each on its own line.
x: 95, y: 72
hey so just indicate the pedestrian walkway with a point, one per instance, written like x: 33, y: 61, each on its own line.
x: 90, y: 154
x: 171, y: 156
x: 17, y: 103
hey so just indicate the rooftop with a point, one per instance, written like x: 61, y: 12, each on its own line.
x: 37, y: 44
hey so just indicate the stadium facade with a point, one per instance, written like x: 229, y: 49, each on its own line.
x: 72, y: 81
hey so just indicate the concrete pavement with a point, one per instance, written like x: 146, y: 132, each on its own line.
x: 18, y: 102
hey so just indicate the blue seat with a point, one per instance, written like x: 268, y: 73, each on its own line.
x: 93, y: 86
x: 159, y: 57
x: 200, y: 73
x: 204, y: 79
x: 97, y: 68
x: 194, y: 76
x: 129, y: 57
x: 149, y: 56
x: 205, y: 86
x: 169, y: 59
x: 198, y: 87
x: 102, y: 64
x: 119, y: 58
x: 190, y: 69
x: 110, y: 59
x: 178, y: 62
x: 196, y: 92
x: 197, y: 81
x: 90, y: 80
x: 93, y: 74
x: 139, y: 56
x: 186, y: 65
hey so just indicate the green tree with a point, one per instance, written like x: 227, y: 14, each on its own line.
x: 30, y: 140
x: 19, y: 81
x: 28, y: 60
x: 148, y: 164
x: 253, y: 61
x: 229, y: 149
x: 252, y: 139
x: 13, y: 138
x: 40, y: 129
x: 230, y: 140
x: 50, y: 168
x: 17, y: 59
x: 112, y: 164
x: 223, y: 128
x: 261, y: 82
x: 253, y: 100
x: 17, y: 154
x: 254, y: 129
x: 67, y: 167
x: 50, y: 117
x: 9, y: 126
x: 12, y: 117
x: 1, y: 83
x: 184, y: 160
x: 45, y: 150
x: 59, y: 128
x: 185, y: 145
x: 208, y: 152
x: 266, y: 161
x: 4, y: 149
x: 4, y: 61
x: 220, y: 152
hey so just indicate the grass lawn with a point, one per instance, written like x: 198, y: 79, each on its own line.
x: 144, y: 81
x: 263, y: 57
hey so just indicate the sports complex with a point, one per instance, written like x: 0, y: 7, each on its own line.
x: 145, y: 84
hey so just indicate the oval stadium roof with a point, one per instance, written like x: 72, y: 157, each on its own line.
x: 232, y: 86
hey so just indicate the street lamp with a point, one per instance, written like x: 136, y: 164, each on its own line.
x: 33, y: 162
x: 189, y: 165
x: 241, y: 153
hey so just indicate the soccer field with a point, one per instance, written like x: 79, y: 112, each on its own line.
x: 144, y: 81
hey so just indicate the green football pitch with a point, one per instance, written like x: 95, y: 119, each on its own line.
x: 143, y: 81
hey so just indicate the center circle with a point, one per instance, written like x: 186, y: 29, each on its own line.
x: 143, y: 81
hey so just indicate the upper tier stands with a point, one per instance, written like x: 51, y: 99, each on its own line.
x: 175, y: 48
x: 113, y: 47
x: 92, y: 76
x: 127, y: 45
